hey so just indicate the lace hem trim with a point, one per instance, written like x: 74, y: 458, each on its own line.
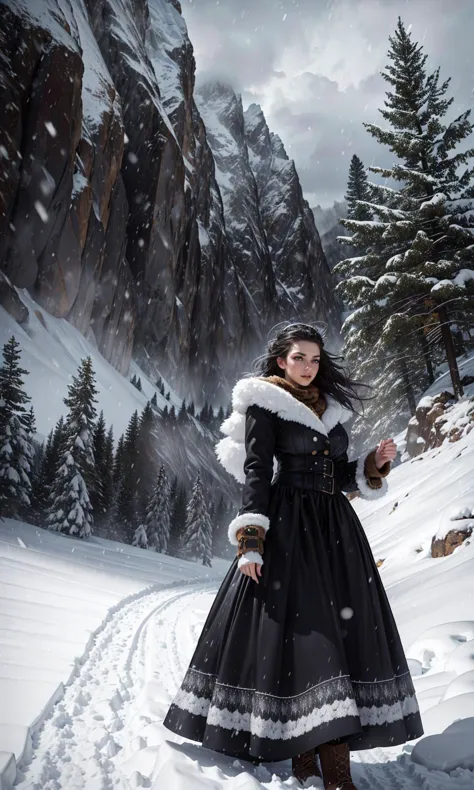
x: 281, y: 718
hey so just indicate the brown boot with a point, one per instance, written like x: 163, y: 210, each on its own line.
x: 305, y: 765
x: 335, y: 764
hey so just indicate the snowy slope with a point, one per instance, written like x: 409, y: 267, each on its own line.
x: 51, y: 349
x: 57, y: 595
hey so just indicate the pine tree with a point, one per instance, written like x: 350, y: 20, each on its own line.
x: 191, y: 409
x: 108, y: 479
x: 70, y: 508
x: 418, y: 252
x: 119, y: 460
x: 16, y: 426
x: 140, y: 538
x: 133, y: 380
x: 101, y: 488
x: 139, y: 385
x: 182, y: 413
x: 80, y: 421
x: 48, y: 472
x: 158, y: 514
x: 146, y: 457
x: 197, y: 540
x: 358, y: 191
x: 178, y: 519
x: 154, y: 401
x: 126, y: 511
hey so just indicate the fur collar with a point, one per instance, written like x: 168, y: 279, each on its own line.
x: 254, y: 390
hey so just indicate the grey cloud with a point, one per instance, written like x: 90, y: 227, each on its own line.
x: 255, y: 45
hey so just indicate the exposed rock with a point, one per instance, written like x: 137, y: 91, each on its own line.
x: 424, y: 429
x: 223, y: 116
x: 442, y: 547
x: 10, y: 300
x: 329, y: 227
x: 64, y: 193
x: 304, y: 283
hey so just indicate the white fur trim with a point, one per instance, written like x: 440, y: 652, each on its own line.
x: 250, y: 556
x: 253, y: 390
x: 231, y: 454
x: 231, y: 450
x: 246, y: 520
x: 365, y: 490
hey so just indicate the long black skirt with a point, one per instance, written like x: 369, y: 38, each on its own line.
x: 308, y: 655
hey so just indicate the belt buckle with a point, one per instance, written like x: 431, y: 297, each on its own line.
x: 331, y: 473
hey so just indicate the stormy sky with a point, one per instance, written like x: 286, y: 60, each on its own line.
x: 314, y: 67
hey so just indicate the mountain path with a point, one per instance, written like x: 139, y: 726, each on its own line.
x: 107, y: 730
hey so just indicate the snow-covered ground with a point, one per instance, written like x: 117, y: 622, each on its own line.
x: 60, y: 601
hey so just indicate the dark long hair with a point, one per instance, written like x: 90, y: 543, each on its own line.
x: 330, y: 378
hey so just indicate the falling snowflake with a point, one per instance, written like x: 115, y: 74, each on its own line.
x: 41, y: 211
x: 50, y: 128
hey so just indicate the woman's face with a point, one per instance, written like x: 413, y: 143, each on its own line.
x: 301, y: 363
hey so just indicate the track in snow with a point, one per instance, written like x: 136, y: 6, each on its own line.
x: 107, y: 730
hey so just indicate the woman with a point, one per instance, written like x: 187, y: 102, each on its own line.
x: 300, y: 655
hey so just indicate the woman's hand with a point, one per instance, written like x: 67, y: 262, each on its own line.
x: 386, y: 451
x: 251, y: 569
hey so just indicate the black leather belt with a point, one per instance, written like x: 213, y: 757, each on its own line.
x: 316, y: 474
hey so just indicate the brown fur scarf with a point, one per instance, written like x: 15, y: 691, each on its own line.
x: 309, y: 395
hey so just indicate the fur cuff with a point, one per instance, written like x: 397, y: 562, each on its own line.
x: 365, y: 489
x: 371, y: 470
x: 246, y: 520
x: 250, y: 556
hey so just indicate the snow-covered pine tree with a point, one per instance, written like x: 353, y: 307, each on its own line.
x: 197, y: 539
x: 140, y: 538
x: 154, y: 401
x: 358, y: 191
x: 191, y: 409
x: 16, y: 425
x: 158, y: 513
x: 419, y: 252
x: 80, y: 421
x: 69, y: 505
x: 182, y: 413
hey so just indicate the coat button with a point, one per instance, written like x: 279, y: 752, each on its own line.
x: 326, y: 452
x: 314, y: 452
x: 315, y: 438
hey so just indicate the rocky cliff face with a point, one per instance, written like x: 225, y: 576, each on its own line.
x: 329, y: 226
x: 158, y: 231
x: 303, y: 279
